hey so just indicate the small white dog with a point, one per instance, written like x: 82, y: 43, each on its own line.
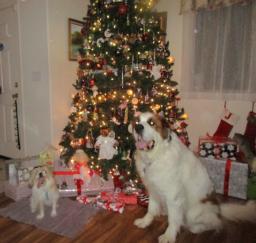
x: 44, y: 191
x: 177, y: 182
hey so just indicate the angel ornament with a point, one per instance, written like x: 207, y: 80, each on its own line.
x: 106, y: 144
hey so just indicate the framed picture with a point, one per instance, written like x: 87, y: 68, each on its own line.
x: 75, y: 38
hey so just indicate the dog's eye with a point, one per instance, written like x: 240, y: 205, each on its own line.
x: 151, y: 122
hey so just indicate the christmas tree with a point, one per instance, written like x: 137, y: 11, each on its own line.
x: 124, y: 67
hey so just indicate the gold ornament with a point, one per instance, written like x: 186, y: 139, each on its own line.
x: 171, y: 59
x: 135, y: 101
x: 130, y: 92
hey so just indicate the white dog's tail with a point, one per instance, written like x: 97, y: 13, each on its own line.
x: 239, y: 212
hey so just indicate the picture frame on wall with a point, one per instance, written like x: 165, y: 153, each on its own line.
x: 75, y: 37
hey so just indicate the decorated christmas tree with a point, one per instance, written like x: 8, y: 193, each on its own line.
x: 124, y: 67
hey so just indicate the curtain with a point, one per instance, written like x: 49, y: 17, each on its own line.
x: 195, y: 5
x: 219, y: 53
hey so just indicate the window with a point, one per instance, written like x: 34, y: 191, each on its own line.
x: 219, y: 58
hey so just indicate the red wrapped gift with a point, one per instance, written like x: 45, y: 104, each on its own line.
x: 110, y: 201
x: 130, y: 199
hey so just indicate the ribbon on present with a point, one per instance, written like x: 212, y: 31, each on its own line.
x: 66, y: 172
x: 227, y: 176
x: 79, y: 183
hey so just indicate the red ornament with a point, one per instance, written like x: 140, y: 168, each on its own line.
x: 123, y: 8
x: 145, y: 36
x: 92, y: 82
x: 149, y: 66
x: 102, y: 61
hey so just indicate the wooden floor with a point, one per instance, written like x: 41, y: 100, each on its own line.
x: 107, y: 227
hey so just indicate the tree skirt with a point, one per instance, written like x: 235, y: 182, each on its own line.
x: 70, y: 220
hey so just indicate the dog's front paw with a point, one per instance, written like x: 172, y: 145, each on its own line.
x: 164, y: 238
x: 53, y: 214
x: 40, y: 216
x: 141, y: 223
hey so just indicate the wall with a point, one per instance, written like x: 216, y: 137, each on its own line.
x: 204, y: 114
x: 35, y: 79
x: 62, y: 71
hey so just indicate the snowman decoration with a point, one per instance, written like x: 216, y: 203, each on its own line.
x: 106, y: 144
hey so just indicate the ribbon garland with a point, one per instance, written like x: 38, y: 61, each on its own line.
x: 227, y: 176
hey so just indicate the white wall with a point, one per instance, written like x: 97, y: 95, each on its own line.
x: 35, y: 78
x: 62, y: 71
x: 204, y: 115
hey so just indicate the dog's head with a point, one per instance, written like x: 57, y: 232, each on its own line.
x: 39, y: 176
x: 149, y: 130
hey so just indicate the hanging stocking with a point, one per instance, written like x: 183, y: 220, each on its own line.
x: 250, y: 130
x: 228, y: 120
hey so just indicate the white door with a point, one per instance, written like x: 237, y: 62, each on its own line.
x: 11, y: 136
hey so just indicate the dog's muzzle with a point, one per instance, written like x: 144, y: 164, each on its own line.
x: 142, y: 144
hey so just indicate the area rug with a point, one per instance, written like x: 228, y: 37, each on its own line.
x: 71, y: 217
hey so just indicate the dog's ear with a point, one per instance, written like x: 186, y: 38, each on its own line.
x: 165, y: 123
x: 32, y: 177
x: 165, y: 127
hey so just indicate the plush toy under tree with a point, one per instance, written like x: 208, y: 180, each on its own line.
x: 123, y: 67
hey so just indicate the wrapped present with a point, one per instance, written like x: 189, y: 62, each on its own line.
x: 18, y: 170
x: 104, y: 200
x: 71, y: 181
x: 229, y: 177
x: 143, y: 199
x: 110, y: 201
x: 65, y: 179
x: 87, y: 199
x: 129, y: 199
x: 97, y: 184
x: 217, y: 148
x: 16, y: 192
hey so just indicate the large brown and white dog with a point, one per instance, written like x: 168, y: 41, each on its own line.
x: 44, y: 191
x: 177, y: 183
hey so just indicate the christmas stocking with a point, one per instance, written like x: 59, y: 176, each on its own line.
x: 250, y: 130
x: 228, y: 120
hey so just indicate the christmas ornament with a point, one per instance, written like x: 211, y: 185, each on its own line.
x: 89, y: 139
x: 130, y: 92
x: 92, y: 82
x: 98, y: 66
x: 106, y: 145
x: 94, y: 89
x: 123, y: 8
x: 135, y: 101
x: 107, y: 33
x: 156, y: 71
x: 171, y: 59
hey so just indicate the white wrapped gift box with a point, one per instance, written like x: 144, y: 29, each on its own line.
x: 230, y: 178
x: 16, y: 192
